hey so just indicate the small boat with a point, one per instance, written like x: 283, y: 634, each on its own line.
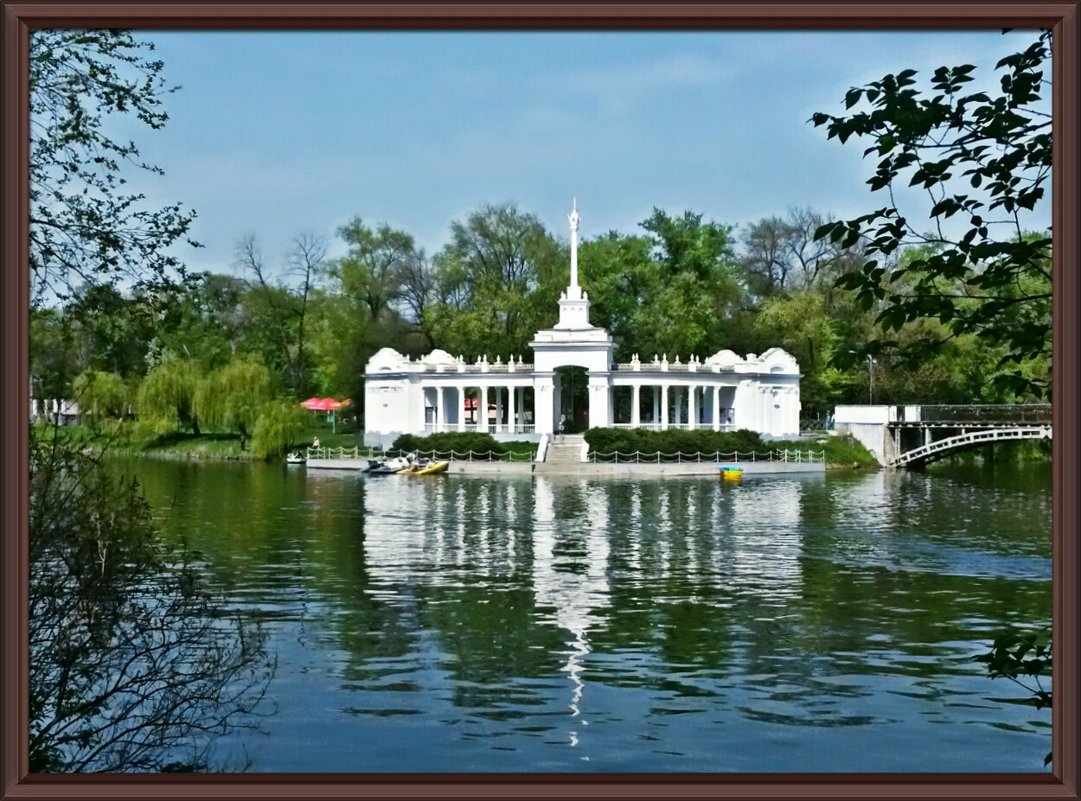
x: 293, y: 457
x: 730, y: 473
x: 386, y: 467
x: 429, y: 469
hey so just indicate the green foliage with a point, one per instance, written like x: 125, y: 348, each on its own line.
x: 840, y: 451
x: 232, y: 397
x: 1024, y: 658
x: 99, y: 395
x: 496, y: 282
x: 133, y: 665
x: 462, y: 442
x: 669, y: 292
x: 277, y: 428
x: 629, y: 440
x: 166, y: 397
x: 86, y: 227
x: 983, y: 159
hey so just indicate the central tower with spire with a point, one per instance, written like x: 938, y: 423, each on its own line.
x: 574, y: 303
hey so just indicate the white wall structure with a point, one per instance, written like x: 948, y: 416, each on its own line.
x: 520, y: 400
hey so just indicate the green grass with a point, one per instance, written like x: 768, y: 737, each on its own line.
x: 842, y: 451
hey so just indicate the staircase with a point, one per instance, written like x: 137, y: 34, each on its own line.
x: 564, y: 454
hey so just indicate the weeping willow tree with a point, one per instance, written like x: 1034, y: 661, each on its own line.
x: 232, y: 397
x: 100, y: 395
x: 166, y: 398
x: 279, y: 425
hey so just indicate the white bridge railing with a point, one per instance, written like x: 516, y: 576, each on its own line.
x: 940, y: 447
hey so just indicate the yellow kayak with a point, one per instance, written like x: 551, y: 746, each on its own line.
x: 430, y: 468
x: 731, y: 473
x: 424, y: 469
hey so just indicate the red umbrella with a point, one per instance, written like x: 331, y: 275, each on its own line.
x: 325, y: 404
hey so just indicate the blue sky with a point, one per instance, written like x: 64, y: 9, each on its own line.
x: 277, y: 133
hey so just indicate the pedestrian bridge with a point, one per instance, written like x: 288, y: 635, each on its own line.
x: 911, y: 436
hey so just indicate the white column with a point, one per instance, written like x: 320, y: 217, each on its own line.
x: 664, y: 406
x: 656, y: 405
x: 521, y: 405
x: 482, y: 410
x: 693, y: 392
x: 499, y: 409
x: 717, y: 408
x: 634, y: 406
x: 599, y: 401
x: 543, y: 391
x: 512, y: 426
x: 437, y: 418
x: 459, y: 391
x: 678, y: 392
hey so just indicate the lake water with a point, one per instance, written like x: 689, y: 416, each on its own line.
x: 451, y: 623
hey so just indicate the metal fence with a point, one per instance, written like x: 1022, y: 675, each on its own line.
x: 679, y: 457
x: 1034, y: 413
x: 463, y: 456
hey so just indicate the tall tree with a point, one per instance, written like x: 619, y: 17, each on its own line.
x: 498, y: 279
x: 983, y: 160
x: 375, y: 265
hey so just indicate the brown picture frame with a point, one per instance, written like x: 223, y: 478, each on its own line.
x: 19, y: 17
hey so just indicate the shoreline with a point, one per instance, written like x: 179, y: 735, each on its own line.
x: 594, y: 469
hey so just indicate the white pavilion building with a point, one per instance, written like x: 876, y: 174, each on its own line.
x: 439, y: 392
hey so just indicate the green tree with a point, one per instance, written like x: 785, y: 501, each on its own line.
x: 275, y: 314
x: 801, y: 324
x: 374, y: 269
x: 670, y: 291
x: 983, y: 160
x: 204, y: 320
x: 278, y: 426
x: 86, y: 226
x: 165, y: 400
x: 100, y: 395
x: 497, y: 282
x: 232, y: 396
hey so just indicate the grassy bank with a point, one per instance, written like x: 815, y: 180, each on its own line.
x: 843, y: 452
x: 126, y: 439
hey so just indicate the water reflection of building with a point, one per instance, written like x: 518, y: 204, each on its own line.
x: 446, y: 529
x: 570, y: 571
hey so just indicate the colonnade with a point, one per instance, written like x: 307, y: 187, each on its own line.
x: 680, y: 405
x: 513, y: 407
x: 445, y: 408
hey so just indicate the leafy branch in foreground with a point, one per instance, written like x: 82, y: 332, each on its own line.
x: 87, y: 226
x: 1023, y: 658
x: 982, y: 161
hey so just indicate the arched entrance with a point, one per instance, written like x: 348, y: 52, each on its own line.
x: 571, y: 399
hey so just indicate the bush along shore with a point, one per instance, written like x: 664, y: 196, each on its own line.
x: 838, y: 452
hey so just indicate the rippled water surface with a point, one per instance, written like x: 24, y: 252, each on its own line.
x: 781, y: 624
